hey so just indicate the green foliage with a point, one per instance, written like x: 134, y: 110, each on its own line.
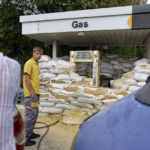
x: 139, y: 52
x: 131, y: 51
x: 12, y: 42
x: 46, y: 6
x: 63, y: 51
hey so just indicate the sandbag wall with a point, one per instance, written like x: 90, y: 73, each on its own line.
x: 134, y: 79
x: 111, y: 66
x: 64, y: 92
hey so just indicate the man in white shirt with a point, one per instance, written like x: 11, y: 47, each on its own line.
x: 9, y: 87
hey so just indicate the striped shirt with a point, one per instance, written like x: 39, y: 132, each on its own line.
x: 9, y: 87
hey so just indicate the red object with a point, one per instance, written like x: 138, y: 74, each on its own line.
x: 19, y: 130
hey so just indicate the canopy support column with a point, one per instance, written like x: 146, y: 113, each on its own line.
x: 54, y: 53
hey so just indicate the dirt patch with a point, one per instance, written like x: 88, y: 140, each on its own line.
x: 59, y: 137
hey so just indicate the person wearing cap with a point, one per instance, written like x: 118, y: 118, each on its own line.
x: 31, y: 94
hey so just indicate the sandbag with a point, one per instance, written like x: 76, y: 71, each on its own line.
x: 51, y: 110
x: 141, y: 62
x: 143, y: 69
x: 44, y: 58
x: 88, y: 100
x: 140, y: 76
x: 74, y: 117
x: 76, y: 103
x: 141, y: 84
x: 65, y: 106
x: 44, y: 65
x: 46, y: 104
x: 47, y: 76
x: 133, y: 88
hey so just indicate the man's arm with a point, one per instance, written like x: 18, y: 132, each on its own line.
x: 29, y: 85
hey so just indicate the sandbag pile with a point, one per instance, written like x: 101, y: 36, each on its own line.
x: 134, y: 79
x: 64, y: 92
x: 111, y: 66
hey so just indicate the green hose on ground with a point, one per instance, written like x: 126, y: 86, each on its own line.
x: 46, y: 126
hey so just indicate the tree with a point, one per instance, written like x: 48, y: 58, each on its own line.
x: 12, y: 42
x: 46, y: 6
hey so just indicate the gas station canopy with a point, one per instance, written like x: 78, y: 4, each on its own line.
x: 127, y: 25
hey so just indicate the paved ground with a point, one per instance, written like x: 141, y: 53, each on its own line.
x: 59, y: 137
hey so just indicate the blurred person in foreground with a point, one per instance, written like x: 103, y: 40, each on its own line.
x: 9, y: 88
x: 124, y: 125
x: 31, y: 94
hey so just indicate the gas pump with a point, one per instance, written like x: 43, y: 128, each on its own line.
x: 90, y: 57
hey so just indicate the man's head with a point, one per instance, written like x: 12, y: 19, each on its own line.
x: 37, y: 53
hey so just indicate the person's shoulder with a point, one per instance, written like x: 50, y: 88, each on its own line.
x: 9, y: 60
x: 30, y: 61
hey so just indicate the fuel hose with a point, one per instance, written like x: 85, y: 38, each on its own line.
x: 45, y: 126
